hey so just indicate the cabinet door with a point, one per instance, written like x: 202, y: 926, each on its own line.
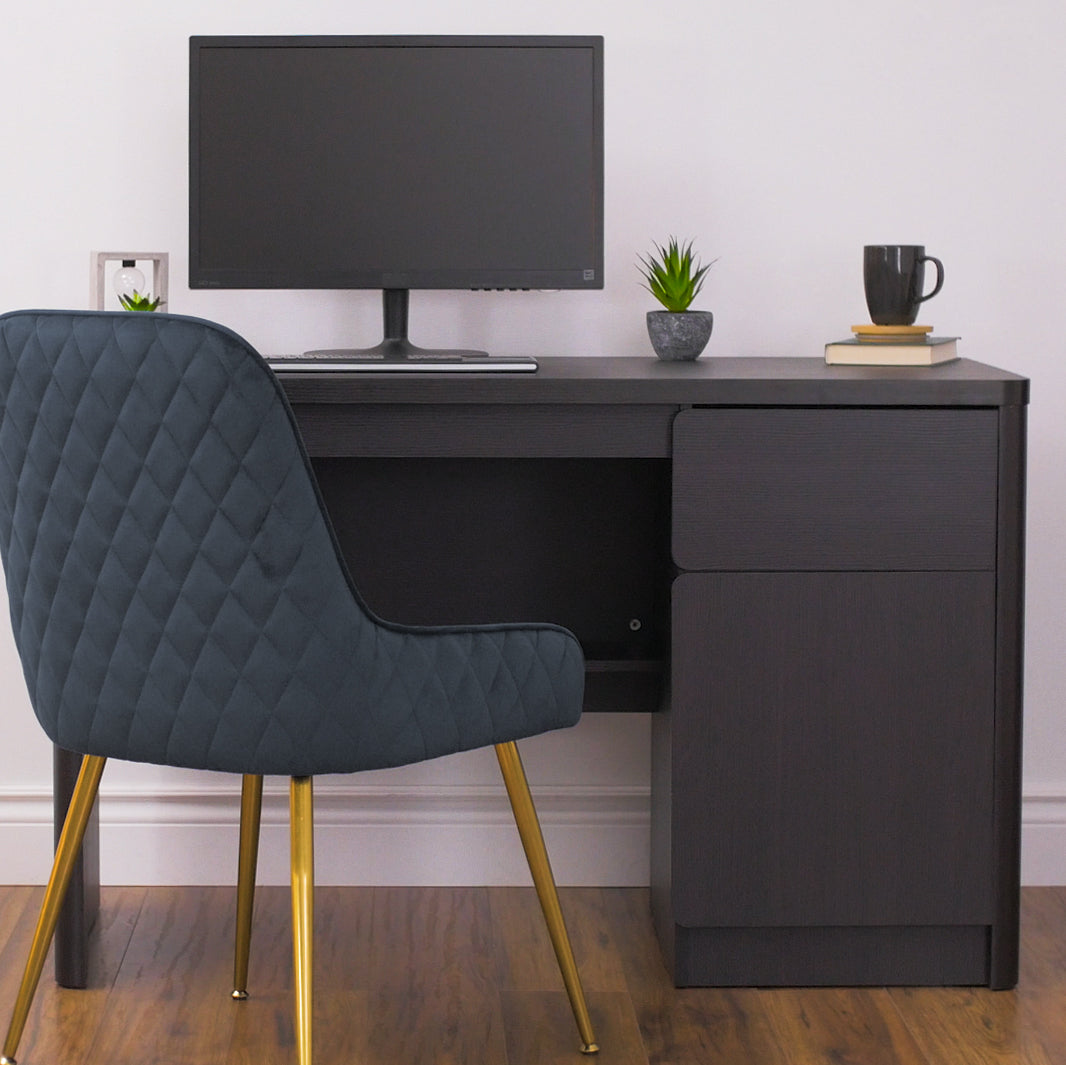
x: 833, y: 748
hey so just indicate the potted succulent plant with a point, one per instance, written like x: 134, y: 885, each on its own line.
x: 137, y: 302
x: 674, y: 277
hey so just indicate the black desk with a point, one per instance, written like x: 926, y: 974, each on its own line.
x: 812, y: 575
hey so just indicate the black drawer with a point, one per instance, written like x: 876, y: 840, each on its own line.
x: 836, y: 489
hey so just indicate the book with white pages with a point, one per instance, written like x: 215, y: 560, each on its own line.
x: 924, y: 351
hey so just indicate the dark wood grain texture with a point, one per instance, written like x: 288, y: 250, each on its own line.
x: 713, y: 381
x: 66, y: 1024
x: 835, y: 489
x: 1010, y: 608
x: 843, y: 1026
x: 169, y: 1002
x: 836, y: 785
x: 846, y: 777
x: 79, y: 911
x: 832, y: 761
x: 483, y: 991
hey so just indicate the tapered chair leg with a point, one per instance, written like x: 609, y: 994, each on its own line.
x: 247, y: 860
x: 78, y: 813
x: 301, y: 832
x: 525, y: 815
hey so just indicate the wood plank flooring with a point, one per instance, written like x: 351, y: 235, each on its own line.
x: 466, y: 976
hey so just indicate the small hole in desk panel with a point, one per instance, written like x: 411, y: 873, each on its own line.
x: 580, y: 543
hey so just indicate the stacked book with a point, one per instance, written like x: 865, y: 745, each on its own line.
x: 892, y: 345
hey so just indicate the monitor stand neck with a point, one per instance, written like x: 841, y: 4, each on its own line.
x: 395, y: 346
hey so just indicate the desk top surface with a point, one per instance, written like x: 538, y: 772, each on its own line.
x: 706, y: 382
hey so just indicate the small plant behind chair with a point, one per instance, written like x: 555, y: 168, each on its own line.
x: 137, y: 302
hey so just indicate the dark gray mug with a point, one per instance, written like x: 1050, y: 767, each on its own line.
x: 894, y: 277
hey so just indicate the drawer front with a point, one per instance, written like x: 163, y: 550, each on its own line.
x: 837, y: 489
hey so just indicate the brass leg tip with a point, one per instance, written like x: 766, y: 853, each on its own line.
x: 590, y: 1048
x: 237, y: 996
x: 5, y: 1060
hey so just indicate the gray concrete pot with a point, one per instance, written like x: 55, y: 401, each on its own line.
x: 679, y: 335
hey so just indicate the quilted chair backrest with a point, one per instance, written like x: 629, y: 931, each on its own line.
x: 176, y: 591
x: 169, y: 566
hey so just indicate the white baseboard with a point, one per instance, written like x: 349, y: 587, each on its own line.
x: 423, y: 836
x: 1044, y: 837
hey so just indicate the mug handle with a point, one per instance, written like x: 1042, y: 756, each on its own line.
x: 939, y: 276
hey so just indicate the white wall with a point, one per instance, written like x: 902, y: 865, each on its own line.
x: 781, y: 136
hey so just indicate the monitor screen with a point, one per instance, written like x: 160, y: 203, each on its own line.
x: 396, y: 162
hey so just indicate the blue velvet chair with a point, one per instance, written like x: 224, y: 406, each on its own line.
x: 178, y: 597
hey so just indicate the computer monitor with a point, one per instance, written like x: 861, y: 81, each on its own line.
x: 396, y: 163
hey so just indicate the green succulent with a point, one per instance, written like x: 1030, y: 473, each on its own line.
x: 137, y: 302
x: 672, y: 276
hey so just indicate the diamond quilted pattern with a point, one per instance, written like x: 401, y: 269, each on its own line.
x: 176, y: 591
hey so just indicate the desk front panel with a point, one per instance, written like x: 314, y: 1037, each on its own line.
x: 471, y: 430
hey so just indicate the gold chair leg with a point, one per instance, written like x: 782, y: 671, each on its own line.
x: 81, y: 806
x: 248, y: 857
x: 525, y: 815
x: 301, y: 834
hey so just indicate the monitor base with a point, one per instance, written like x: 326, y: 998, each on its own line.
x: 396, y: 354
x: 394, y: 349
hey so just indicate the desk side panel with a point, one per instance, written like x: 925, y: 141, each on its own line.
x: 1010, y: 611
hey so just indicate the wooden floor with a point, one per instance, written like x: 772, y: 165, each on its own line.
x: 466, y: 977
